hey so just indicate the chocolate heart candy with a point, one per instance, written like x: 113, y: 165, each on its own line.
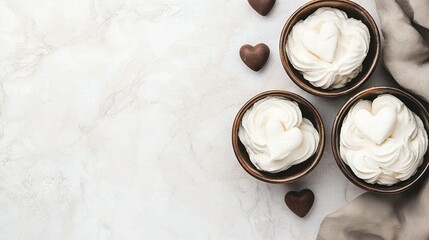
x: 300, y: 203
x: 255, y: 57
x: 263, y: 7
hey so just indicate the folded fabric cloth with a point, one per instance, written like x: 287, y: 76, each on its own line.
x: 378, y: 217
x: 405, y: 27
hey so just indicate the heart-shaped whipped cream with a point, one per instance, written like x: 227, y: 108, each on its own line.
x: 276, y: 135
x: 376, y: 127
x: 328, y: 48
x: 383, y: 141
x: 282, y: 142
x: 322, y: 43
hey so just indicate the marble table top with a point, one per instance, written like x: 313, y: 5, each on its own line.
x: 115, y: 121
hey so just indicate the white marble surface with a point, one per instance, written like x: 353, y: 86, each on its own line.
x: 116, y: 116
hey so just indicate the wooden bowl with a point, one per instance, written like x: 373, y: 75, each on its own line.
x: 370, y: 94
x: 353, y: 10
x: 295, y: 172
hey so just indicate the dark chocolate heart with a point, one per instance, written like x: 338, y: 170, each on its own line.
x: 300, y: 203
x: 255, y: 57
x: 263, y: 7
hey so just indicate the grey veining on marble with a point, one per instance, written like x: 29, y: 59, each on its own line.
x: 115, y: 120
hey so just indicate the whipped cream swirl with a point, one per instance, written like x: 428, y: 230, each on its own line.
x: 276, y: 136
x: 383, y: 141
x: 328, y: 48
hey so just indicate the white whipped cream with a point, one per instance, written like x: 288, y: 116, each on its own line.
x: 383, y: 141
x: 328, y: 48
x: 276, y: 136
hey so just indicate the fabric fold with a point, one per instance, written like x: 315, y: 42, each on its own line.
x: 376, y: 217
x: 405, y: 24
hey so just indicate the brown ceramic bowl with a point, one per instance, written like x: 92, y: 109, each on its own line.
x: 370, y: 94
x: 353, y: 10
x: 294, y: 172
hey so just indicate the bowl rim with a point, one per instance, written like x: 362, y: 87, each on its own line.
x: 326, y: 92
x: 250, y: 168
x: 335, y: 139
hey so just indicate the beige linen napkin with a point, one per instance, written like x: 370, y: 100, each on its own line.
x: 405, y: 27
x: 376, y: 217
